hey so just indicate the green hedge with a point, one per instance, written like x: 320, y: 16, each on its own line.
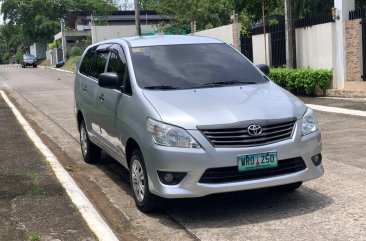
x: 75, y: 51
x: 302, y: 81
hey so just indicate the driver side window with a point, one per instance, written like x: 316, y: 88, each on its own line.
x: 117, y: 64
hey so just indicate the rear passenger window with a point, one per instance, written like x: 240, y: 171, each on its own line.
x: 99, y: 63
x: 87, y: 61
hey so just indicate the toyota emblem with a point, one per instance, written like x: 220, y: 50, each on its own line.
x: 254, y: 130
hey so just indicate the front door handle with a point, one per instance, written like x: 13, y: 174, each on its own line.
x: 85, y: 89
x: 101, y: 98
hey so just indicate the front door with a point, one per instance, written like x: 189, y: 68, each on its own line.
x: 112, y: 103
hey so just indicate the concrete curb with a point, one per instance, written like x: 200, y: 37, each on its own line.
x: 82, y: 203
x: 337, y: 110
x: 57, y: 69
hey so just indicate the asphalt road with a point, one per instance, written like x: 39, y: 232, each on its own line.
x: 330, y: 208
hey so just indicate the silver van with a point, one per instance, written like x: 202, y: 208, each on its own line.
x: 191, y: 116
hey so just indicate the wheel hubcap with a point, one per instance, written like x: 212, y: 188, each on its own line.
x: 83, y: 141
x: 138, y: 180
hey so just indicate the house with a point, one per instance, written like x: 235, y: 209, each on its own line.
x: 336, y: 41
x: 83, y: 25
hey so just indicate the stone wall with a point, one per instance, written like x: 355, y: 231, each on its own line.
x: 353, y: 50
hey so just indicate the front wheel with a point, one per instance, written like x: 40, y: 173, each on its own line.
x: 91, y: 152
x: 145, y: 201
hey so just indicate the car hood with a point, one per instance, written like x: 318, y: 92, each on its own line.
x: 225, y: 105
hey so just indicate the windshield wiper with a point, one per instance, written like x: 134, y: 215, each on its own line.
x: 161, y: 87
x: 225, y: 83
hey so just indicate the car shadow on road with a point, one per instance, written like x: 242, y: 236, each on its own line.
x: 246, y: 207
x: 227, y: 209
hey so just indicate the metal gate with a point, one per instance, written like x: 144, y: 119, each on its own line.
x: 247, y: 47
x: 278, y: 44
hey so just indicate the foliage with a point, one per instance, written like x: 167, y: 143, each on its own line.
x: 301, y: 81
x: 55, y: 44
x: 87, y: 40
x: 75, y: 51
x: 10, y: 38
x: 33, y: 237
x: 308, y: 8
x: 206, y: 13
x: 5, y: 58
x: 71, y: 63
x: 19, y: 55
x: 39, y: 20
x: 360, y: 4
x: 213, y: 13
x: 36, y: 188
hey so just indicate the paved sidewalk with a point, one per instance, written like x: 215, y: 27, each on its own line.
x: 346, y: 103
x: 33, y: 204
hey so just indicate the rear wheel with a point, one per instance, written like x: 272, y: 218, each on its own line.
x: 91, y: 152
x: 145, y: 201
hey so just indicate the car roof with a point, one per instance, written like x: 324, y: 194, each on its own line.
x: 144, y: 41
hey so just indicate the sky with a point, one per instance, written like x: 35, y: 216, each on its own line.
x: 128, y: 3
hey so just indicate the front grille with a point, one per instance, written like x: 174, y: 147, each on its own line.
x: 231, y: 174
x: 239, y: 137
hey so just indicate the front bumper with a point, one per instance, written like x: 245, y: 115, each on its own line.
x: 29, y: 63
x: 195, y: 162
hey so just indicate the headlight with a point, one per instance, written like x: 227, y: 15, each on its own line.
x: 309, y: 123
x: 167, y: 135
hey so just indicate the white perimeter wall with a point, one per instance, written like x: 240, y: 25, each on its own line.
x: 223, y: 33
x: 100, y: 33
x: 314, y: 46
x: 259, y: 53
x: 38, y: 50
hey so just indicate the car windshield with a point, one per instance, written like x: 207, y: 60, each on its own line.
x: 187, y: 66
x: 29, y: 57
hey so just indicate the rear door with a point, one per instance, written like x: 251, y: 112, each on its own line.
x: 86, y: 89
x: 98, y: 67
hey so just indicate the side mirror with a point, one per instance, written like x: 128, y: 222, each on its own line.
x: 264, y: 68
x: 109, y: 80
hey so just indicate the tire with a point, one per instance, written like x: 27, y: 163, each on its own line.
x: 289, y: 187
x: 34, y: 66
x: 91, y: 152
x: 145, y: 201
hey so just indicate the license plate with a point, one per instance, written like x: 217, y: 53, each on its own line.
x: 257, y: 161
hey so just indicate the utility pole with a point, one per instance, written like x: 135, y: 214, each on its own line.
x: 63, y: 39
x: 290, y: 34
x: 137, y: 18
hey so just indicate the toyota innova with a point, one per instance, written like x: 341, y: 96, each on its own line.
x: 191, y: 116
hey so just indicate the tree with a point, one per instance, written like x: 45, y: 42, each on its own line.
x: 290, y: 34
x: 206, y: 13
x: 211, y: 13
x: 308, y: 8
x: 39, y: 20
x: 11, y: 38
